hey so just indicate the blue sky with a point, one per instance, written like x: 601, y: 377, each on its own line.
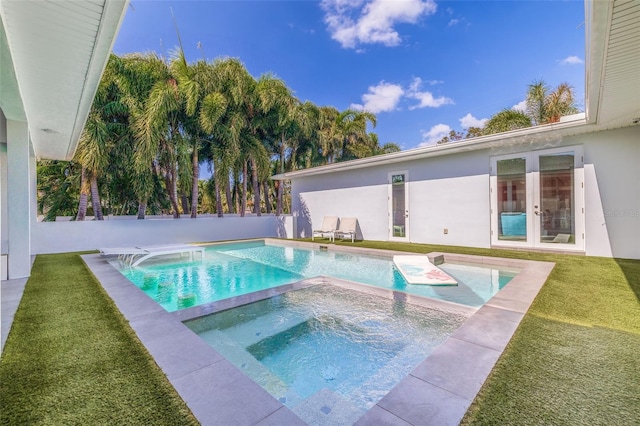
x: 423, y: 67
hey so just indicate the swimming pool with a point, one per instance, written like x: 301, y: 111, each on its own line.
x: 325, y: 346
x: 240, y: 268
x: 216, y: 390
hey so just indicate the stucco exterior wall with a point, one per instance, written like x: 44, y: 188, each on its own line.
x: 452, y: 192
x: 612, y: 193
x: 59, y: 237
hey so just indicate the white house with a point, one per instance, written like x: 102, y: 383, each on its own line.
x: 572, y: 186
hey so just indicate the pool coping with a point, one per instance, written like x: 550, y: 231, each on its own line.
x: 438, y: 391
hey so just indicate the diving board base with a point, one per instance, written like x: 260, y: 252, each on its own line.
x: 419, y: 270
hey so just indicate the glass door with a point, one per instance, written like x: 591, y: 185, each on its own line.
x: 511, y: 195
x: 558, y: 200
x: 398, y: 206
x: 537, y: 199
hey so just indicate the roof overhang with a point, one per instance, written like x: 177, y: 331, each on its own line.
x: 53, y: 55
x: 540, y: 136
x: 613, y: 62
x: 612, y: 94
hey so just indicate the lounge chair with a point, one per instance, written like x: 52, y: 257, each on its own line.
x: 348, y: 228
x: 329, y: 226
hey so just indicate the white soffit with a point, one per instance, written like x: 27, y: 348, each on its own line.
x: 10, y: 101
x: 613, y: 72
x: 59, y: 50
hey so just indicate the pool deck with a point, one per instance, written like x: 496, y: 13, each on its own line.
x: 437, y: 392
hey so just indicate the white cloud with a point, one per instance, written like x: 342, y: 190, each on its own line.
x: 571, y: 60
x: 453, y: 22
x: 354, y: 22
x: 381, y: 98
x: 436, y: 133
x: 470, y: 121
x: 426, y: 98
x: 520, y: 106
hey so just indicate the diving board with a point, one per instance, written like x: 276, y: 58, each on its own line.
x: 134, y: 256
x: 419, y: 270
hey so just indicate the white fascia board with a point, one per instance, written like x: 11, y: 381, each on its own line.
x: 598, y: 24
x: 113, y: 14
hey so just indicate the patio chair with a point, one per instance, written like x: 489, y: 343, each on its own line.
x: 329, y: 226
x: 348, y: 228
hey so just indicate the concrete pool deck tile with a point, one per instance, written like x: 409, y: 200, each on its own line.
x: 220, y: 394
x: 458, y: 366
x: 281, y: 417
x: 380, y: 417
x: 493, y: 313
x: 519, y: 293
x: 155, y: 325
x: 171, y: 354
x: 509, y: 304
x: 488, y: 331
x: 421, y: 403
x: 132, y: 302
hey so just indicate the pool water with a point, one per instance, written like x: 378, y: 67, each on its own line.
x: 327, y: 347
x: 240, y: 268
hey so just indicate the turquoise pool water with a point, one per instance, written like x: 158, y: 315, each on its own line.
x: 240, y: 268
x: 327, y: 348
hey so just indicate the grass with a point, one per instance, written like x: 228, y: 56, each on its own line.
x: 72, y: 359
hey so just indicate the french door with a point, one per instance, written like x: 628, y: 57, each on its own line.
x: 399, y: 206
x: 537, y: 199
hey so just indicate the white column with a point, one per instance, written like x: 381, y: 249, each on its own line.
x: 19, y: 190
x: 3, y: 197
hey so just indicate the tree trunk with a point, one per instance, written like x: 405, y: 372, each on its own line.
x: 194, y: 183
x: 267, y: 198
x: 218, y: 197
x: 280, y: 194
x: 185, y: 202
x: 142, y: 209
x: 243, y: 204
x: 172, y: 188
x: 256, y: 187
x: 95, y: 199
x: 230, y: 205
x: 84, y: 194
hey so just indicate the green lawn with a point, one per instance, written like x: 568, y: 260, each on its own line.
x: 72, y: 359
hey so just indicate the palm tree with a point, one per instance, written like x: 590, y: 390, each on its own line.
x: 104, y: 125
x: 136, y: 77
x: 506, y: 120
x: 159, y: 128
x: 285, y: 119
x: 546, y: 106
x: 57, y: 188
x: 91, y: 155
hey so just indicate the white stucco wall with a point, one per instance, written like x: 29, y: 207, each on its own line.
x: 453, y: 192
x: 58, y: 237
x: 444, y: 192
x: 612, y: 193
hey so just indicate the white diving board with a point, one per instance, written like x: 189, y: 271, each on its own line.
x: 419, y: 270
x: 136, y: 255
